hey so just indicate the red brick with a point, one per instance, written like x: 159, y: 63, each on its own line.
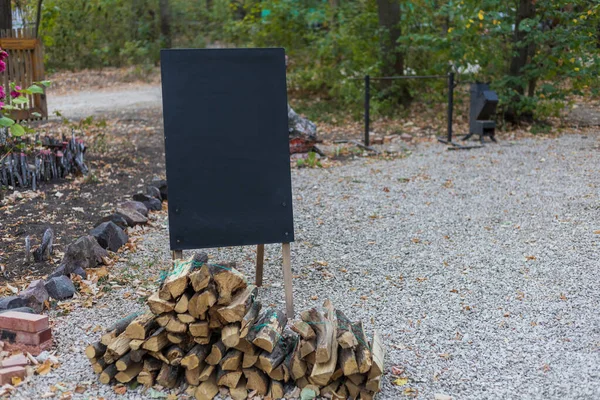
x: 18, y: 360
x: 18, y: 321
x: 25, y: 337
x: 31, y: 349
x: 6, y: 374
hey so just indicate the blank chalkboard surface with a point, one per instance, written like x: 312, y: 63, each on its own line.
x: 227, y: 151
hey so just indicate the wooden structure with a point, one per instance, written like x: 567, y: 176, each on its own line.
x: 25, y: 65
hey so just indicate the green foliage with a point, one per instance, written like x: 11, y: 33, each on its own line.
x: 311, y: 161
x: 330, y: 47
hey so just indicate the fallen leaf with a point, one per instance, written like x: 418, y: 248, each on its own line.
x: 314, y: 297
x: 397, y: 370
x: 400, y: 381
x: 421, y: 279
x: 597, y: 232
x: 80, y: 389
x: 120, y: 389
x: 12, y: 288
x: 44, y: 368
x: 410, y: 392
x: 530, y: 258
x: 15, y: 380
x: 563, y: 297
x: 386, y: 189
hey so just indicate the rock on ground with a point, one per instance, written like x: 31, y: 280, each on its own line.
x: 109, y: 236
x: 60, y: 287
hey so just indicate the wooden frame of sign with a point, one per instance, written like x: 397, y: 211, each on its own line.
x: 227, y: 152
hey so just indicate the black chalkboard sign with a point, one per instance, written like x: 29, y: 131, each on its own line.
x: 227, y: 151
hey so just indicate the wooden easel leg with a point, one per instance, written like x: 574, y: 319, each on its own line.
x: 260, y: 259
x: 177, y: 254
x: 287, y: 280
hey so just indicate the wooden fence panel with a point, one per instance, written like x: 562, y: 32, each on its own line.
x: 25, y: 65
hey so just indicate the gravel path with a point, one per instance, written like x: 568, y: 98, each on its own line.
x: 481, y: 268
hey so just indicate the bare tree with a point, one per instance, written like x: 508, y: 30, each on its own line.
x: 165, y: 23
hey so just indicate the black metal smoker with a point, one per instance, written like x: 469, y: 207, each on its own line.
x: 482, y: 110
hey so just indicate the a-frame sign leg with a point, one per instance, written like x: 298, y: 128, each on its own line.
x: 260, y: 259
x: 287, y: 280
x: 177, y: 254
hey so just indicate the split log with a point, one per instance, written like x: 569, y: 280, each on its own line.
x: 322, y: 371
x: 304, y: 330
x: 277, y: 374
x: 186, y: 318
x: 202, y: 301
x: 99, y: 365
x: 228, y: 378
x: 146, y: 378
x: 217, y: 352
x: 156, y: 341
x: 208, y: 389
x: 137, y: 355
x: 269, y: 335
x: 330, y: 390
x: 303, y: 382
x: 307, y: 347
x: 324, y: 330
x: 159, y: 356
x: 176, y: 326
x: 269, y: 361
x: 167, y: 376
x: 199, y: 328
x: 228, y: 281
x: 251, y: 357
x: 95, y: 350
x: 232, y: 360
x: 207, y: 372
x: 241, y: 303
x: 353, y: 390
x: 256, y: 380
x: 177, y: 338
x: 345, y: 336
x: 296, y: 366
x: 174, y: 354
x: 239, y: 392
x: 192, y: 375
x: 215, y: 321
x: 342, y: 392
x: 366, y: 395
x: 378, y: 354
x: 249, y: 318
x: 117, y: 349
x: 130, y: 373
x: 164, y: 319
x: 163, y: 293
x: 177, y: 281
x: 357, y: 379
x: 117, y: 328
x: 200, y: 278
x: 258, y: 324
x: 124, y: 362
x: 276, y: 391
x: 159, y: 306
x: 362, y: 352
x: 245, y: 346
x: 135, y: 344
x: 152, y: 364
x: 140, y: 327
x: 202, y: 340
x: 374, y: 384
x: 230, y: 335
x: 339, y: 372
x: 108, y: 374
x: 347, y: 361
x: 195, y: 356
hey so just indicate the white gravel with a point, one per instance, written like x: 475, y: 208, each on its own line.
x: 481, y: 269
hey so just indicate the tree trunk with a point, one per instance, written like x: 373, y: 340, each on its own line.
x: 165, y: 23
x: 38, y: 17
x: 520, y: 58
x: 389, y: 19
x: 5, y: 14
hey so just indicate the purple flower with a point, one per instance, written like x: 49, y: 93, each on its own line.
x: 3, y: 55
x: 2, y: 66
x: 15, y: 93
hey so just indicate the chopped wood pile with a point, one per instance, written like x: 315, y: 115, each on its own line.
x: 206, y: 330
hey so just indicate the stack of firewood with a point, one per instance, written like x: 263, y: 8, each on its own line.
x: 207, y: 329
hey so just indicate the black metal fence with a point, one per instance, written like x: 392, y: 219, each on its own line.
x: 451, y: 85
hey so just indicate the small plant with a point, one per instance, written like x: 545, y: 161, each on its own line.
x: 311, y: 161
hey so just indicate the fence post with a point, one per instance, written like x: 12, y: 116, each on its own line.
x: 450, y: 104
x: 367, y: 106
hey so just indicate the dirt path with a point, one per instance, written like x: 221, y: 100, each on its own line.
x: 82, y: 104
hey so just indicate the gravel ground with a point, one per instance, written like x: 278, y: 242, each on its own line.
x: 480, y: 268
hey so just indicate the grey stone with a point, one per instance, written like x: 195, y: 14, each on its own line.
x: 43, y: 252
x: 60, y: 270
x: 132, y: 217
x: 109, y: 236
x: 300, y: 126
x: 60, y: 287
x: 116, y: 218
x: 81, y: 272
x: 85, y: 252
x: 151, y: 203
x: 10, y: 302
x: 27, y: 310
x: 35, y: 295
x: 135, y: 206
x: 154, y: 192
x: 161, y: 184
